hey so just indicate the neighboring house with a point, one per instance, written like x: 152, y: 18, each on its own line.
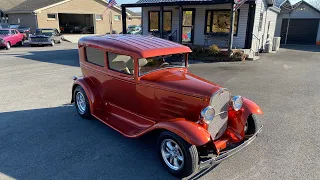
x: 304, y: 26
x: 207, y: 22
x: 6, y: 5
x: 58, y: 13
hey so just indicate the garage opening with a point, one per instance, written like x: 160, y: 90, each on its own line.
x: 76, y: 23
x: 301, y: 31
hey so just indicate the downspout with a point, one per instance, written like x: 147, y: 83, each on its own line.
x: 264, y: 29
x: 36, y: 19
x: 285, y: 42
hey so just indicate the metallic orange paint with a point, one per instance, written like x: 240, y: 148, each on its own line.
x: 169, y: 99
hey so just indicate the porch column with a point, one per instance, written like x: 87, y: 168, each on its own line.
x: 161, y: 22
x: 124, y: 20
x: 232, y: 17
x: 180, y: 25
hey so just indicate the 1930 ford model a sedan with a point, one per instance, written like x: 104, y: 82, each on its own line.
x: 138, y: 84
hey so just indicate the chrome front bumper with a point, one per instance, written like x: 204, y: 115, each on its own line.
x: 40, y: 43
x: 224, y: 155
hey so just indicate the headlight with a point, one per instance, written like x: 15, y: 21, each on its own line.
x: 208, y: 113
x: 1, y: 40
x: 236, y: 102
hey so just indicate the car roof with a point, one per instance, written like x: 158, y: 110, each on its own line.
x: 144, y: 46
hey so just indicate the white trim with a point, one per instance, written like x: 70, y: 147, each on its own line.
x: 50, y: 6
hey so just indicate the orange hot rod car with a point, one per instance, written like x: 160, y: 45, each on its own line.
x: 138, y: 84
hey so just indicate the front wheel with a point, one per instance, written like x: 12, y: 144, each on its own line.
x: 52, y: 43
x: 178, y: 156
x: 81, y: 102
x: 8, y: 46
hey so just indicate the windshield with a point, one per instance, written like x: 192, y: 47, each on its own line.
x: 147, y: 65
x: 4, y: 26
x: 4, y: 32
x: 14, y: 26
x: 46, y: 32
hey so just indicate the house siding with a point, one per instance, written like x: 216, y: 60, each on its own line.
x: 28, y: 20
x: 200, y: 12
x: 308, y: 13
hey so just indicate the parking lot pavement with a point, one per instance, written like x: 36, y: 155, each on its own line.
x: 42, y: 137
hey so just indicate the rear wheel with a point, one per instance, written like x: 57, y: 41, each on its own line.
x: 52, y: 43
x: 81, y: 102
x: 8, y: 46
x: 21, y: 43
x: 178, y: 156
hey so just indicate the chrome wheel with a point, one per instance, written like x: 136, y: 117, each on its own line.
x: 8, y: 46
x: 172, y: 154
x: 81, y: 103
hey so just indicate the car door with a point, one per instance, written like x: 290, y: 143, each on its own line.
x: 13, y: 37
x: 20, y: 36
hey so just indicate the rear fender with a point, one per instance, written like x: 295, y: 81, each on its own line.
x: 189, y: 131
x: 92, y: 93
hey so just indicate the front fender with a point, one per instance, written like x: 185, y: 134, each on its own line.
x: 237, y: 119
x: 189, y: 131
x: 251, y: 107
x: 92, y: 93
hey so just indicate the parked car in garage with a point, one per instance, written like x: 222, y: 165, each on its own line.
x: 46, y: 36
x: 71, y: 28
x: 10, y: 37
x: 22, y: 29
x: 139, y: 84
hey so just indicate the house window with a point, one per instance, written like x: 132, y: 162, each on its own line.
x: 121, y: 63
x: 99, y: 17
x: 117, y: 17
x: 95, y: 56
x: 52, y: 16
x: 154, y: 21
x: 218, y: 22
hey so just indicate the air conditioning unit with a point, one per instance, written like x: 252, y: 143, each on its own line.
x: 276, y: 43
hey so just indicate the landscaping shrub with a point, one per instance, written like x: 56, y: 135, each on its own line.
x: 238, y: 56
x: 213, y: 50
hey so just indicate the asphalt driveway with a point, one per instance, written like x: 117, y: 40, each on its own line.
x: 42, y: 136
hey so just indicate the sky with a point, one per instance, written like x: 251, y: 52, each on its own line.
x: 119, y: 2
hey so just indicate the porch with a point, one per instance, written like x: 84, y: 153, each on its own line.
x: 201, y: 23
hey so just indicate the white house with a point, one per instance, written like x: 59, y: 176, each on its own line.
x: 303, y: 19
x: 207, y: 22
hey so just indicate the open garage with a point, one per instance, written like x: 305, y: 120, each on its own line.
x: 76, y: 23
x: 74, y: 16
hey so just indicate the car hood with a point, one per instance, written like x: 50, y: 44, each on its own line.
x: 182, y: 81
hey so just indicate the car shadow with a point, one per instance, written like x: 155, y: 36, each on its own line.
x: 311, y: 48
x: 67, y: 57
x: 56, y: 143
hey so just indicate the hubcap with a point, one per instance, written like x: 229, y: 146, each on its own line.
x: 172, y: 154
x: 8, y: 45
x: 81, y: 103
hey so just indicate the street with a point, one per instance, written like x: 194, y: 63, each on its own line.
x: 43, y: 137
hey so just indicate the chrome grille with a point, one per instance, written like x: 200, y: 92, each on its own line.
x: 220, y: 102
x: 39, y: 39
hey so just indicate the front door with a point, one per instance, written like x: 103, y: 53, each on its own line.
x: 188, y: 16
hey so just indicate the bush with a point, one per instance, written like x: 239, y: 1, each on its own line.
x: 239, y: 56
x: 197, y: 49
x: 213, y: 50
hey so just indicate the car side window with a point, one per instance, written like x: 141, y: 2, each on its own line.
x: 95, y: 56
x: 13, y: 32
x: 121, y: 63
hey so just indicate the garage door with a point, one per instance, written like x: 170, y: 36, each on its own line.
x: 301, y: 31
